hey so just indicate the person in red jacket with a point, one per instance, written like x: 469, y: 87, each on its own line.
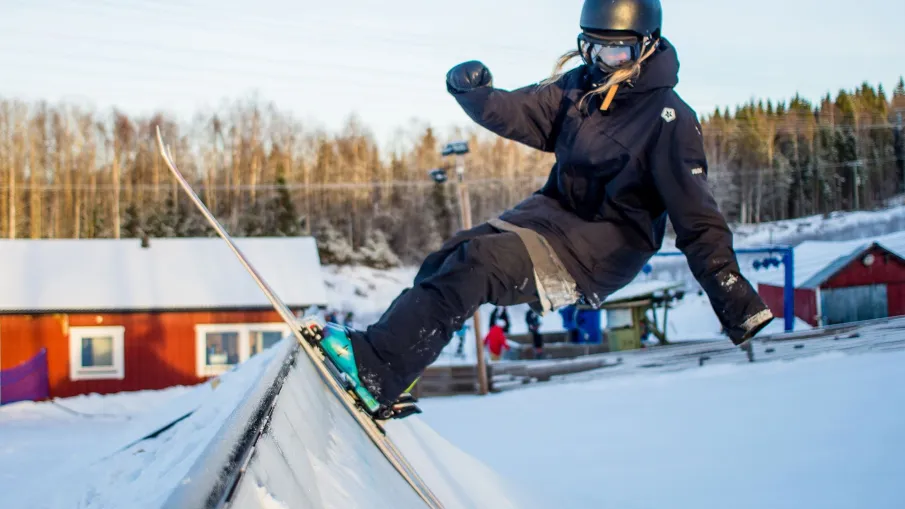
x: 496, y: 342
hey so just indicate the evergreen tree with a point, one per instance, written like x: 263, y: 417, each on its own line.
x: 164, y: 221
x: 332, y: 246
x: 131, y: 224
x: 285, y: 220
x: 254, y: 220
x: 376, y: 251
x: 898, y: 112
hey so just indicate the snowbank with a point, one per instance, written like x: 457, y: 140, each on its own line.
x: 91, y: 459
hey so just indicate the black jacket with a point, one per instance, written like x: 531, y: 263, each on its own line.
x: 618, y: 175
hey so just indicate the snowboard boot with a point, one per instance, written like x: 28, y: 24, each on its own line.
x: 333, y: 341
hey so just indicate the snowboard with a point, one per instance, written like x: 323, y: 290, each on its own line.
x: 310, y: 332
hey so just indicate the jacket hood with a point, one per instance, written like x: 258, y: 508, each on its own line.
x: 661, y: 70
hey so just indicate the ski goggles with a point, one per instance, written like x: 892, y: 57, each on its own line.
x: 610, y: 53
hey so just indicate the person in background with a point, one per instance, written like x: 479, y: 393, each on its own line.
x: 349, y: 320
x: 502, y: 314
x: 460, y: 350
x: 331, y: 316
x: 495, y: 341
x: 532, y: 319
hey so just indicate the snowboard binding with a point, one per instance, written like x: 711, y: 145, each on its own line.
x: 334, y: 343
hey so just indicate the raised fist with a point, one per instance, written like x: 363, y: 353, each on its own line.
x: 468, y: 76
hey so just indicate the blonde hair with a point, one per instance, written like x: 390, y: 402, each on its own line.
x: 616, y: 78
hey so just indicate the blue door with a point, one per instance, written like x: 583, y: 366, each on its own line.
x: 852, y: 304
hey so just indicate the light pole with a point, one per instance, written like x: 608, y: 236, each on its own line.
x: 459, y: 149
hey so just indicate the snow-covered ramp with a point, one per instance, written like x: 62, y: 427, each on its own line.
x: 292, y: 444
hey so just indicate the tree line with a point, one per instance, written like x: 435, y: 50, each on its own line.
x: 69, y: 171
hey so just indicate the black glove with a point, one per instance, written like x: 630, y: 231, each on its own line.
x: 468, y: 76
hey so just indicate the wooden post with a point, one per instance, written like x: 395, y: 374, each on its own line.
x: 465, y: 202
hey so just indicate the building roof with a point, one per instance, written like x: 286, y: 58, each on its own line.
x: 640, y: 290
x: 174, y: 273
x: 818, y: 261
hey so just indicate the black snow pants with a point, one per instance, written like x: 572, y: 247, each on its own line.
x: 474, y: 267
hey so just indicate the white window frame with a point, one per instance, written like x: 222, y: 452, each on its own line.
x: 79, y: 372
x: 244, y: 330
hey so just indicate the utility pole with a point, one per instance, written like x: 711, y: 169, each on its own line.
x: 899, y: 150
x: 459, y: 149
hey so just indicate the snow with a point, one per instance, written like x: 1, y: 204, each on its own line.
x: 173, y: 273
x: 91, y: 459
x: 458, y: 479
x: 641, y: 289
x: 364, y: 290
x: 836, y: 226
x: 818, y: 432
x: 693, y: 319
x: 312, y: 455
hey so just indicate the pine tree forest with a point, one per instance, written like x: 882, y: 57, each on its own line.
x: 69, y: 172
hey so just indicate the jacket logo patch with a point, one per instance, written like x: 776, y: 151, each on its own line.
x: 668, y: 114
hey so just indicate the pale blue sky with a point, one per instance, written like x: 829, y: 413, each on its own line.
x: 387, y: 61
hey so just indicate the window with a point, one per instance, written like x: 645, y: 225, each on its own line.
x: 220, y: 347
x: 97, y: 353
x: 619, y: 319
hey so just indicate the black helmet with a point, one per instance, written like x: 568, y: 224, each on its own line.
x: 643, y: 17
x: 615, y: 33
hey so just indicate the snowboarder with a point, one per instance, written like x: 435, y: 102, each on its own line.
x: 629, y: 156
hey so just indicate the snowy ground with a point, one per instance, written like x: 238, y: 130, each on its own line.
x: 822, y: 432
x: 802, y: 427
x: 53, y: 458
x: 82, y: 452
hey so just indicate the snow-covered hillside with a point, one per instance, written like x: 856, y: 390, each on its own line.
x: 834, y: 226
x: 837, y: 226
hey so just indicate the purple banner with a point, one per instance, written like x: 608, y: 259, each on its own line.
x: 27, y: 381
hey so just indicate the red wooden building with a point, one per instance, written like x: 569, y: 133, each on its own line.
x: 842, y: 282
x: 117, y: 315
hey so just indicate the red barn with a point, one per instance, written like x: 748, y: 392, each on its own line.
x: 842, y: 282
x: 117, y: 315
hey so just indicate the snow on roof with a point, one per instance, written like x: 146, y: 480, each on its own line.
x: 172, y: 273
x: 816, y: 261
x: 641, y: 289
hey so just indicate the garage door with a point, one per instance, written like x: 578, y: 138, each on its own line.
x: 852, y: 304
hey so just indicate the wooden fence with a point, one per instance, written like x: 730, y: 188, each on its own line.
x: 462, y: 379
